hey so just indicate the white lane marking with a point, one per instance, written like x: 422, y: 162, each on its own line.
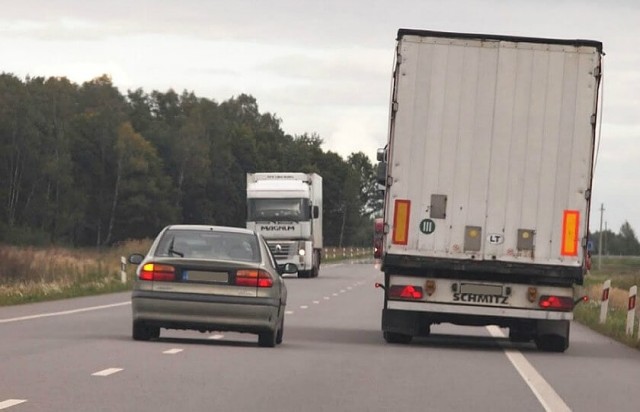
x: 335, y: 294
x: 349, y: 288
x: 304, y: 307
x: 326, y: 298
x: 11, y: 402
x: 316, y: 302
x: 217, y: 336
x: 65, y: 312
x: 546, y: 395
x: 342, y: 290
x: 288, y: 312
x: 107, y: 372
x: 172, y: 351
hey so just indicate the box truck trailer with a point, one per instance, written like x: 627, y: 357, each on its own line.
x: 487, y: 174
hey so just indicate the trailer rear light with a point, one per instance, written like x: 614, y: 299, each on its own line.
x: 158, y: 273
x: 254, y: 278
x: 556, y: 302
x: 405, y: 292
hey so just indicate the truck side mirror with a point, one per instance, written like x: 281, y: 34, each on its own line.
x: 380, y: 155
x: 316, y: 212
x: 381, y: 173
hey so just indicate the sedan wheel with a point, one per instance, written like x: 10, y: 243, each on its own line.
x: 280, y: 333
x: 267, y: 339
x: 393, y: 337
x: 141, y: 331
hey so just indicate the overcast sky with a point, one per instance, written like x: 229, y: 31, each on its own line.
x: 321, y: 66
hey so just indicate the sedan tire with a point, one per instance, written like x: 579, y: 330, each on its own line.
x: 267, y: 339
x: 280, y: 333
x: 141, y: 331
x: 393, y: 337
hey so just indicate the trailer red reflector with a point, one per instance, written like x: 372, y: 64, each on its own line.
x: 564, y: 303
x: 405, y: 292
x: 570, y: 226
x: 401, y: 214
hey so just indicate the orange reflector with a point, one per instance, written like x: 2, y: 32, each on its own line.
x: 570, y: 225
x: 401, y: 222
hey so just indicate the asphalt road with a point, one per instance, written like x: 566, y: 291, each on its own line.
x: 77, y: 355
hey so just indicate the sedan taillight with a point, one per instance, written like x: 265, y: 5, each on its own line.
x: 254, y: 277
x: 158, y: 273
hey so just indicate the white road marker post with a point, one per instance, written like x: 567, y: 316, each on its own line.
x: 631, y: 309
x: 123, y: 269
x: 604, y: 305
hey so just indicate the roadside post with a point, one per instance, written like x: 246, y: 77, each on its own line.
x: 123, y: 269
x: 631, y: 313
x: 604, y: 306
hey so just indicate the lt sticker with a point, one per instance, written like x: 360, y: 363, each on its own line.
x: 427, y: 226
x: 495, y: 239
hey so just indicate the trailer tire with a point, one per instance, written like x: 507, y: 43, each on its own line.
x: 304, y: 274
x: 553, y: 336
x: 552, y: 343
x: 394, y: 337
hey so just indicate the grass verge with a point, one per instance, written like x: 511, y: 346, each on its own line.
x: 40, y: 274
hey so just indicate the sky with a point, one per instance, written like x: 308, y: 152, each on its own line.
x: 323, y: 66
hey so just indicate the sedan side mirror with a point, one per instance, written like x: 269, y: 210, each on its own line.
x: 136, y: 258
x: 287, y: 268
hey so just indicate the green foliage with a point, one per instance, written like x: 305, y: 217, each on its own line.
x: 624, y: 243
x: 85, y: 165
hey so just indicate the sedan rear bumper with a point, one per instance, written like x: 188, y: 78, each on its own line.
x: 205, y: 312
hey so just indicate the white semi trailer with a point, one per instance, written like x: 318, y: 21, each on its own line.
x: 487, y: 174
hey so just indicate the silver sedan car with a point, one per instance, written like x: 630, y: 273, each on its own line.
x: 209, y: 278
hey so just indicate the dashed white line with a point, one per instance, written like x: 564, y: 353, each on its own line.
x: 349, y: 288
x: 335, y: 294
x: 107, y: 372
x: 342, y: 290
x: 546, y: 395
x: 11, y: 402
x: 288, y: 312
x: 304, y: 307
x: 64, y: 312
x: 172, y: 351
x: 217, y: 336
x: 316, y: 302
x: 326, y: 298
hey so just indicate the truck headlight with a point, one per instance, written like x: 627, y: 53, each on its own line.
x: 301, y: 252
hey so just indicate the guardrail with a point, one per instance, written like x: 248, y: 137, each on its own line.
x: 333, y: 253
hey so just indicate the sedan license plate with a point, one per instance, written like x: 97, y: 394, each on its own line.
x: 478, y: 289
x: 205, y: 276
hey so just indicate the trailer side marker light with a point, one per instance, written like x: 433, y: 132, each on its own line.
x: 570, y: 226
x: 401, y: 221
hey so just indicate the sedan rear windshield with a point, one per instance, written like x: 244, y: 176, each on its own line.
x: 200, y: 244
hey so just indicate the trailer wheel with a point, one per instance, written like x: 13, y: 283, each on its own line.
x: 393, y: 337
x: 305, y: 274
x: 553, y: 336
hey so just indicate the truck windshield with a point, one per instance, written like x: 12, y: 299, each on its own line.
x: 275, y: 210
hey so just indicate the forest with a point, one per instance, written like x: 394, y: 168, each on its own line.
x: 86, y: 165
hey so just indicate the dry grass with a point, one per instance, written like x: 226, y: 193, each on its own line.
x: 33, y: 274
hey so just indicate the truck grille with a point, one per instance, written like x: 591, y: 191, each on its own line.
x: 280, y: 250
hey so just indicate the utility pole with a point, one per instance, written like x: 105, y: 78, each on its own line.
x: 606, y: 238
x: 600, y: 240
